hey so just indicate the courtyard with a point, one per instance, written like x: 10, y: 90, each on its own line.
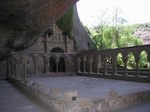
x: 89, y: 87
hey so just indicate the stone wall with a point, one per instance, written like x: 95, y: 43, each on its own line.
x: 3, y: 69
x: 55, y: 40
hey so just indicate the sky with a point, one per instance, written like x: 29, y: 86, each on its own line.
x: 134, y: 11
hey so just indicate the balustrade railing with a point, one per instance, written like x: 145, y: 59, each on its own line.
x: 105, y: 63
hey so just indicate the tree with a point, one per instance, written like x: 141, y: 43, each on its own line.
x: 109, y: 35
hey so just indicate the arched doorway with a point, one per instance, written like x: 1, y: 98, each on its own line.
x: 57, y: 50
x: 52, y: 64
x: 61, y: 65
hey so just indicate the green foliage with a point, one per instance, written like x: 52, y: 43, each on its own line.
x: 104, y: 39
x: 65, y: 23
x: 131, y: 61
x: 115, y: 34
x: 144, y: 64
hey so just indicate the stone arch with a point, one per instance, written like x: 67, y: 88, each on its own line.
x: 13, y: 66
x: 64, y: 56
x: 131, y: 61
x: 41, y: 64
x: 144, y: 63
x: 131, y: 64
x: 57, y: 50
x: 120, y: 63
x: 30, y: 61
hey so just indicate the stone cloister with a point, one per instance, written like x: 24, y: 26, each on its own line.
x: 88, y: 63
x: 97, y: 63
x: 33, y: 64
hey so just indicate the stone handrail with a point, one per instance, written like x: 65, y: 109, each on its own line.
x: 104, y: 63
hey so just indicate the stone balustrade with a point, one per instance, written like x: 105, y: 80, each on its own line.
x: 104, y: 63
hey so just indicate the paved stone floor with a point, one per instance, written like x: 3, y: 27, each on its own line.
x: 13, y: 100
x: 137, y: 108
x: 92, y: 87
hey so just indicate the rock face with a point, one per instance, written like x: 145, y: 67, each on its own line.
x: 82, y: 38
x: 23, y: 21
x: 71, y: 25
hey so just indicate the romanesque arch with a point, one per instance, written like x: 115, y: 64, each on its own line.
x: 57, y: 50
x: 30, y: 64
x: 41, y: 64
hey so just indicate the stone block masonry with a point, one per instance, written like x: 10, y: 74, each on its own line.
x: 70, y: 101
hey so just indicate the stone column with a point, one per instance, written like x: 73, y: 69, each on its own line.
x: 105, y: 65
x: 114, y: 65
x: 8, y: 68
x: 57, y: 61
x: 78, y: 65
x: 90, y: 65
x: 16, y: 70
x: 137, y: 59
x: 125, y: 60
x: 66, y: 64
x: 97, y: 61
x: 23, y: 72
x: 35, y: 67
x: 46, y: 67
x: 84, y: 60
x: 148, y: 58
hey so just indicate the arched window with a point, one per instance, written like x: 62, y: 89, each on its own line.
x: 57, y: 50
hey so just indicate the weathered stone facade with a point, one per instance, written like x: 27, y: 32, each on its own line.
x: 52, y: 41
x: 52, y: 52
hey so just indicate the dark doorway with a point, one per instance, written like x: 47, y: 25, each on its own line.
x: 52, y: 64
x: 61, y: 65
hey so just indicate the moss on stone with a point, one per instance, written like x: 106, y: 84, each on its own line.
x: 65, y: 23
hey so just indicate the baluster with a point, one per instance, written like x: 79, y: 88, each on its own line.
x: 125, y: 60
x: 105, y: 65
x: 114, y: 65
x: 137, y: 59
x: 98, y: 63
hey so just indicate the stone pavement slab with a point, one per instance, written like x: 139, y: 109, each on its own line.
x: 89, y: 87
x: 145, y: 107
x: 13, y: 100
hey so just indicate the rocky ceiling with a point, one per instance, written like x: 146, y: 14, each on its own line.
x: 23, y: 21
